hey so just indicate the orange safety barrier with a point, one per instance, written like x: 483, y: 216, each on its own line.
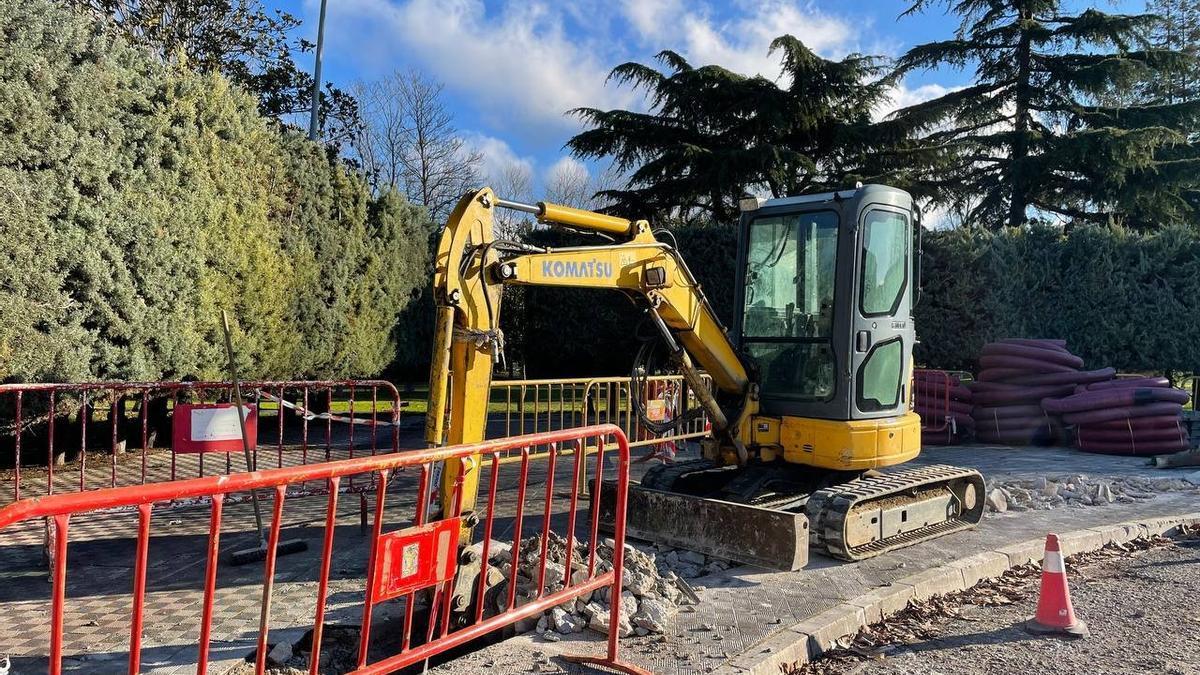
x: 422, y: 558
x: 40, y: 423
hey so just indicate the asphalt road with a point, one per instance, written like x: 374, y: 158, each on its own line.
x: 1141, y: 608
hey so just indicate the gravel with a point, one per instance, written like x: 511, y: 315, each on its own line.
x: 1139, y: 604
x: 1079, y: 490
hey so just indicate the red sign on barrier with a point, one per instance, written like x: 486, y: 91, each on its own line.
x: 211, y: 427
x: 414, y: 558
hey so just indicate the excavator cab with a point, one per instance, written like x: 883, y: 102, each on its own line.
x: 824, y: 287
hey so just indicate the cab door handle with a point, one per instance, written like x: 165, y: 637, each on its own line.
x: 862, y: 341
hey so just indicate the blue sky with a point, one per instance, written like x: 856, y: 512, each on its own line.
x: 511, y: 68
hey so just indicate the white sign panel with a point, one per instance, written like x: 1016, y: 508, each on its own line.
x: 216, y: 424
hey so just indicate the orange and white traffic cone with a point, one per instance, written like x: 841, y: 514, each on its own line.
x: 1054, y: 612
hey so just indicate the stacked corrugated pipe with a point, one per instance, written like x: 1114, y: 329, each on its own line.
x: 944, y: 405
x: 1135, y: 416
x: 1015, y: 375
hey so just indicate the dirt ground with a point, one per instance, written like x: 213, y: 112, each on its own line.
x: 1140, y: 604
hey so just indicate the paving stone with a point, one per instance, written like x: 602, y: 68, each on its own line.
x: 934, y: 582
x: 824, y: 629
x: 1080, y: 541
x: 1027, y: 551
x: 884, y: 601
x: 783, y: 650
x: 734, y: 602
x: 981, y: 566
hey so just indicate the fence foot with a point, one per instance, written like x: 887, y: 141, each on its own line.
x: 605, y: 662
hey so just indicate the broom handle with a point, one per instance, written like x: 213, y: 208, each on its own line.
x: 251, y: 465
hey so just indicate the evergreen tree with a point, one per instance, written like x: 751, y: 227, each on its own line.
x: 711, y: 135
x: 241, y: 39
x: 1046, y: 127
x: 1178, y: 30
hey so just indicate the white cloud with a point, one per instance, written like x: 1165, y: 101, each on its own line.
x: 498, y: 157
x: 650, y: 16
x: 740, y: 43
x: 903, y: 97
x: 567, y: 167
x: 516, y: 64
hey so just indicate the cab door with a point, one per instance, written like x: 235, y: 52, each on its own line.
x: 883, y: 334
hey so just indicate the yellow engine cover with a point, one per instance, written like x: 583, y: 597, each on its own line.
x: 842, y: 445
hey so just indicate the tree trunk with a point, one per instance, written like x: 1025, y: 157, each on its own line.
x: 1018, y: 181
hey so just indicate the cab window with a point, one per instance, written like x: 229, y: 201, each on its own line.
x: 884, y: 262
x: 789, y: 302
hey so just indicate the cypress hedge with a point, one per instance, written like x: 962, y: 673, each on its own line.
x: 1126, y: 299
x: 141, y: 199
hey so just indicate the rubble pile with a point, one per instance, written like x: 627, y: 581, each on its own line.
x: 1135, y: 416
x: 653, y: 588
x: 1015, y: 375
x: 933, y: 393
x: 1079, y: 491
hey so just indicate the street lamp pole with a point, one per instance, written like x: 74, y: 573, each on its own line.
x: 316, y: 89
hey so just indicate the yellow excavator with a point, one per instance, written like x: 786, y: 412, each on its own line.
x: 810, y: 387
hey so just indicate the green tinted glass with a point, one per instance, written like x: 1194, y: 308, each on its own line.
x: 879, y: 377
x: 885, y: 261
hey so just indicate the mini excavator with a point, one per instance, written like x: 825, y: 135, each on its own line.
x: 810, y: 388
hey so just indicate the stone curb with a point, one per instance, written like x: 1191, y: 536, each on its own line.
x: 807, y: 640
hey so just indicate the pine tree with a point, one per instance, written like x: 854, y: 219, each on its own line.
x: 1047, y: 128
x: 1178, y: 30
x: 711, y: 134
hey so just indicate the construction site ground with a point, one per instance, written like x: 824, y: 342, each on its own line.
x: 742, y: 609
x: 745, y: 611
x: 1137, y: 602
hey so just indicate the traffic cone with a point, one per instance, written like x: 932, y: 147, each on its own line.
x: 1054, y: 612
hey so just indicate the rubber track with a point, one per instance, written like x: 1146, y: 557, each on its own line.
x: 828, y: 509
x: 664, y: 476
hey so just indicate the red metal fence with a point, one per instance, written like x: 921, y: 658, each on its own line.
x: 931, y: 399
x: 943, y: 403
x: 41, y: 424
x: 385, y: 579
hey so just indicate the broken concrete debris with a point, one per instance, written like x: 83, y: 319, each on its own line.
x: 997, y: 500
x: 1077, y: 490
x: 653, y: 589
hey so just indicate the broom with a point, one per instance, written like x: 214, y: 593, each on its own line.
x: 250, y: 555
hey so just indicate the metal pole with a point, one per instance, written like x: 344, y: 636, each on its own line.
x: 251, y: 460
x: 316, y: 89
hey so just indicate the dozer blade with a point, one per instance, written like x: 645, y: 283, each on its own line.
x: 869, y: 516
x: 743, y: 533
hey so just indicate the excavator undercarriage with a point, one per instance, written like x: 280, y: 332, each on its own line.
x: 772, y: 514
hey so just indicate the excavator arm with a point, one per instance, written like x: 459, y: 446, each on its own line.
x: 473, y: 266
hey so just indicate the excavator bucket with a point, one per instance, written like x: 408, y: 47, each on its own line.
x: 744, y: 533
